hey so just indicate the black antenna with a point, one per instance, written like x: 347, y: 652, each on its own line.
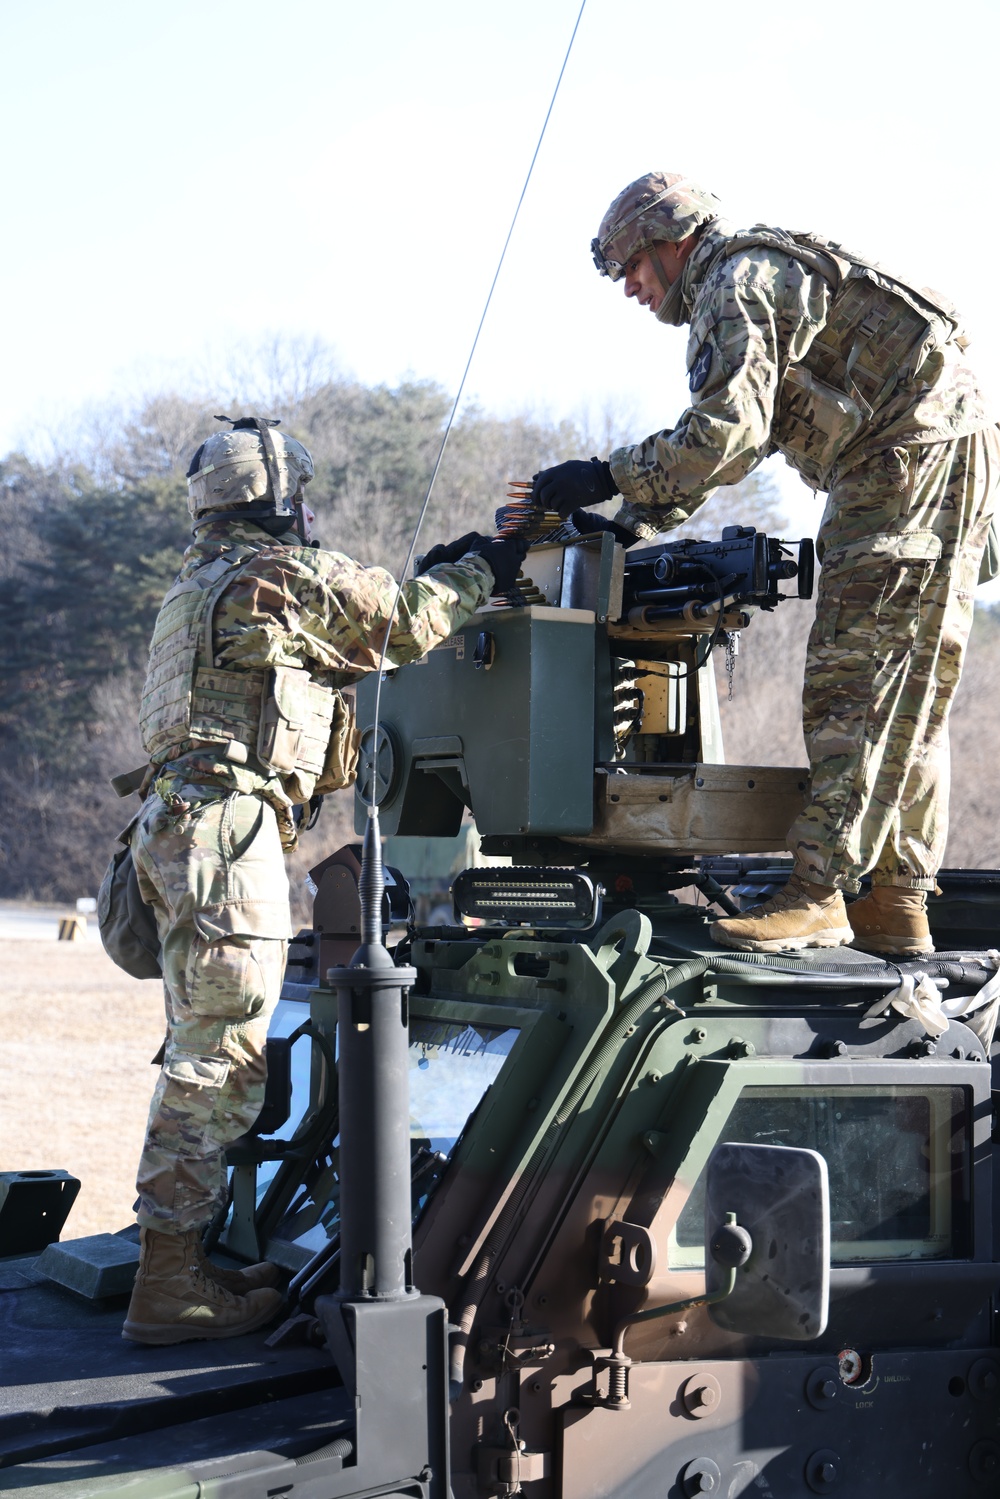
x: 376, y: 1262
x: 372, y: 825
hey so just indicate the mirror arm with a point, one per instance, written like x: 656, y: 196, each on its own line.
x: 709, y: 1299
x: 738, y: 1251
x: 736, y: 1247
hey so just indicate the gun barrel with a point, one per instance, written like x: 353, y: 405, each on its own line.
x: 676, y: 595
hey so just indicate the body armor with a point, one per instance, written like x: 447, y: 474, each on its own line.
x: 878, y: 333
x: 287, y: 721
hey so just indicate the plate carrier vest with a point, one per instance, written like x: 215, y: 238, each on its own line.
x: 878, y: 332
x: 287, y: 719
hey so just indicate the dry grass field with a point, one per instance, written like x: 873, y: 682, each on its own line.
x: 75, y: 1079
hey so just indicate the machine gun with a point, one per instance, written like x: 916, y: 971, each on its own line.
x: 581, y: 716
x: 699, y: 583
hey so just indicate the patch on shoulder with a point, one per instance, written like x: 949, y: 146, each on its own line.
x: 700, y: 368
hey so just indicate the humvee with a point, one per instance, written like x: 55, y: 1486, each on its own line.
x: 573, y: 1203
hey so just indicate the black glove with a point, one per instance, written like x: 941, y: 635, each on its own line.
x: 450, y: 551
x: 592, y: 525
x: 505, y: 555
x: 567, y: 486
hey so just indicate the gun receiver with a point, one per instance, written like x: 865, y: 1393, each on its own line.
x: 586, y: 718
x: 698, y: 582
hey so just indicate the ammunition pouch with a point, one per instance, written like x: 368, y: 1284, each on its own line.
x: 127, y: 924
x: 294, y: 722
x: 340, y: 767
x: 814, y: 424
x: 307, y: 734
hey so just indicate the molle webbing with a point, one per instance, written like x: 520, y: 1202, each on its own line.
x: 182, y: 637
x: 294, y: 734
x: 281, y: 717
x: 183, y: 634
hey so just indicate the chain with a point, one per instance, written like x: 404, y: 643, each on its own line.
x: 732, y: 651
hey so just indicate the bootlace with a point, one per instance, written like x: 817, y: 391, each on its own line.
x: 776, y: 902
x: 204, y: 1285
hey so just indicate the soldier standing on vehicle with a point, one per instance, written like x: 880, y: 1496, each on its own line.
x: 800, y: 347
x: 243, y: 719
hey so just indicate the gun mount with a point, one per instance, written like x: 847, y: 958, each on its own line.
x: 586, y: 720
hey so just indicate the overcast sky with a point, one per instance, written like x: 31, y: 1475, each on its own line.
x: 192, y: 177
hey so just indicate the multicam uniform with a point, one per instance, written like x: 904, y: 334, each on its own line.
x: 242, y: 717
x: 798, y: 347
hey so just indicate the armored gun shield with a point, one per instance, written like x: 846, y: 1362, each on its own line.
x: 588, y: 716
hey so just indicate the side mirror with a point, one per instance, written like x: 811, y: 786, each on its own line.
x: 767, y: 1220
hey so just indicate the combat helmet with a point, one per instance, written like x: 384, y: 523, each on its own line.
x: 253, y: 470
x: 660, y: 206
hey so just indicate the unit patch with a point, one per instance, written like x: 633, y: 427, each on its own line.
x: 700, y: 368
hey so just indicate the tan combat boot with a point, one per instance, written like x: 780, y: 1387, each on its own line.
x: 800, y: 915
x: 249, y: 1278
x: 891, y: 919
x: 174, y: 1301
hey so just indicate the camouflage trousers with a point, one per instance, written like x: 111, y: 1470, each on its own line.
x: 211, y: 865
x: 901, y: 543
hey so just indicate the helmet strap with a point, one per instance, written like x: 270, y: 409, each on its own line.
x: 264, y: 425
x: 270, y: 459
x: 300, y: 522
x: 671, y: 308
x: 661, y: 274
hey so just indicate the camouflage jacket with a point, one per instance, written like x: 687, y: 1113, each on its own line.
x: 303, y: 607
x: 766, y: 359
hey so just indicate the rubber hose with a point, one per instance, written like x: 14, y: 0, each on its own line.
x: 339, y: 1447
x: 842, y: 975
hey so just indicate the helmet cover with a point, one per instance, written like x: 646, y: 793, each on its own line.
x: 660, y: 206
x: 230, y: 471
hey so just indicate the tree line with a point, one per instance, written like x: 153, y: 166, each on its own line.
x: 94, y: 535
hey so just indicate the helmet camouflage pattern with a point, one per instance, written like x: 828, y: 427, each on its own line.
x: 659, y: 206
x: 230, y: 471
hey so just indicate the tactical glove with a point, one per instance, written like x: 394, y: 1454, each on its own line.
x: 450, y: 551
x: 593, y: 525
x: 505, y: 555
x: 567, y: 486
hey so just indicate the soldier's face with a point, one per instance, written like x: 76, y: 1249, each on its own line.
x: 641, y: 278
x: 308, y: 520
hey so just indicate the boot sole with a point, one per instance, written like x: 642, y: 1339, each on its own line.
x: 888, y: 948
x: 834, y: 937
x: 159, y: 1334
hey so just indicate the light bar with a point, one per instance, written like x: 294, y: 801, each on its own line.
x: 530, y: 897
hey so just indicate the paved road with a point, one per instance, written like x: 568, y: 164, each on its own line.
x: 20, y: 919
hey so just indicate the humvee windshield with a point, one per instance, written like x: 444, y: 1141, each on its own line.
x: 898, y: 1161
x: 452, y: 1063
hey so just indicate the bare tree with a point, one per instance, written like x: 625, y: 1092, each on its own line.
x: 277, y: 376
x: 762, y: 725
